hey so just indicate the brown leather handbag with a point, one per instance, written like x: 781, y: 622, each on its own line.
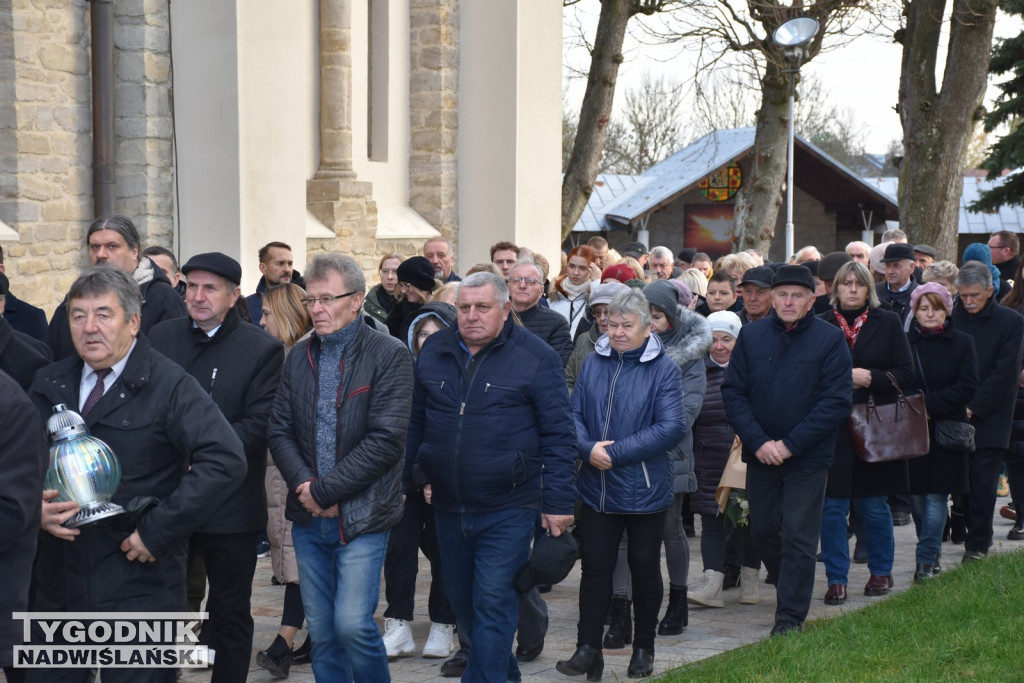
x: 893, y: 431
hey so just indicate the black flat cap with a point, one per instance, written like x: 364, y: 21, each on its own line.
x: 925, y: 249
x: 831, y: 263
x: 793, y: 275
x: 898, y: 251
x: 216, y: 263
x: 759, y: 275
x: 551, y: 561
x: 687, y: 254
x: 635, y: 249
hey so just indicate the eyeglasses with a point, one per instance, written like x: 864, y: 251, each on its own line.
x: 518, y: 280
x: 326, y: 300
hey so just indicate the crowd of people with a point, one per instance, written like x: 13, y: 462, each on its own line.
x: 503, y: 424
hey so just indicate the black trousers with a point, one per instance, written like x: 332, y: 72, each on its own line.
x: 785, y: 521
x: 230, y: 566
x: 401, y: 563
x: 981, y: 501
x: 713, y: 543
x: 600, y: 534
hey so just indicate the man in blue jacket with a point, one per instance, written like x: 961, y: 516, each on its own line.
x: 788, y: 386
x: 490, y: 411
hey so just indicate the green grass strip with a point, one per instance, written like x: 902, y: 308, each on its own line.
x: 966, y: 624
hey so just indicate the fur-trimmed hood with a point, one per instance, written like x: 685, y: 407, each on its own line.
x: 689, y: 340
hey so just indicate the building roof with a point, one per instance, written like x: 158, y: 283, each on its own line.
x: 1009, y: 217
x: 815, y: 172
x: 619, y: 201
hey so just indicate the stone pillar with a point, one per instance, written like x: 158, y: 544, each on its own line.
x: 335, y: 90
x: 334, y: 196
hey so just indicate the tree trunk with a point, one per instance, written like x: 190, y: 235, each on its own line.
x: 937, y: 124
x: 595, y: 111
x: 760, y: 197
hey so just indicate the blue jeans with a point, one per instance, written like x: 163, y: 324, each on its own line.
x: 340, y: 590
x: 930, y: 511
x: 480, y: 554
x: 878, y: 535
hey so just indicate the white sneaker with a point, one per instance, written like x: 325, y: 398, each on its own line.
x: 439, y: 642
x: 398, y: 638
x: 709, y: 593
x: 749, y: 592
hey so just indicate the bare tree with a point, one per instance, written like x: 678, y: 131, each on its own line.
x: 647, y: 130
x: 596, y: 109
x: 938, y: 120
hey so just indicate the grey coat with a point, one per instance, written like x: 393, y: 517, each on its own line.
x: 687, y: 344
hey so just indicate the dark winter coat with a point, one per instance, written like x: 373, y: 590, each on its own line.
x: 897, y: 302
x: 687, y: 344
x: 881, y: 347
x: 25, y: 318
x: 373, y: 417
x: 483, y: 427
x: 636, y: 400
x: 950, y: 380
x: 401, y: 312
x: 255, y: 301
x: 378, y: 303
x: 791, y: 385
x: 23, y: 461
x: 239, y: 367
x: 998, y: 334
x: 21, y: 355
x: 551, y: 327
x: 159, y: 302
x: 712, y: 440
x: 173, y: 445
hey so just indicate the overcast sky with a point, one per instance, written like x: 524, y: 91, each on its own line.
x: 862, y: 75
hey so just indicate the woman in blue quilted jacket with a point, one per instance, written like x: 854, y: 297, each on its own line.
x: 628, y: 409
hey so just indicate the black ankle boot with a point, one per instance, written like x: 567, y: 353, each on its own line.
x: 277, y: 659
x: 586, y: 660
x: 302, y: 654
x: 923, y: 573
x: 620, y: 633
x: 676, y: 614
x: 641, y: 664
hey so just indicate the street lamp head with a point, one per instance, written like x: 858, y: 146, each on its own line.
x: 794, y: 35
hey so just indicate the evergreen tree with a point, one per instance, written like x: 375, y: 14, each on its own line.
x: 1008, y: 152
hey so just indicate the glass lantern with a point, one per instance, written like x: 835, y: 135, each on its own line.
x: 82, y: 468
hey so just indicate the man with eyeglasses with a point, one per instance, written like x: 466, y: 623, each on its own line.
x: 239, y: 366
x: 1005, y: 247
x: 337, y: 433
x: 525, y: 285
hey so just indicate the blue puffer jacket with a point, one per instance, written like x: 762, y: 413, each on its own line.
x: 482, y: 428
x: 790, y: 384
x: 636, y: 400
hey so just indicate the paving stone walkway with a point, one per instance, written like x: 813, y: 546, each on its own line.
x: 711, y: 631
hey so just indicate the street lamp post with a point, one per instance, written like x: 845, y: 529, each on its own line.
x: 793, y: 36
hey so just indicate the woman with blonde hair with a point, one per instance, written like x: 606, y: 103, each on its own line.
x: 284, y: 317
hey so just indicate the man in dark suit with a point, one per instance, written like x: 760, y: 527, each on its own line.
x: 23, y: 317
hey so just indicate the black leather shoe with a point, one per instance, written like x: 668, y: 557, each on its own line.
x: 303, y: 653
x: 641, y: 664
x: 783, y: 627
x: 529, y: 654
x: 972, y: 555
x: 456, y: 666
x: 1017, y: 532
x: 901, y: 518
x: 277, y: 659
x: 923, y: 573
x: 586, y: 660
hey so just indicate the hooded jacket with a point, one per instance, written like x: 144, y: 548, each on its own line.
x: 687, y: 343
x: 636, y: 400
x: 443, y: 312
